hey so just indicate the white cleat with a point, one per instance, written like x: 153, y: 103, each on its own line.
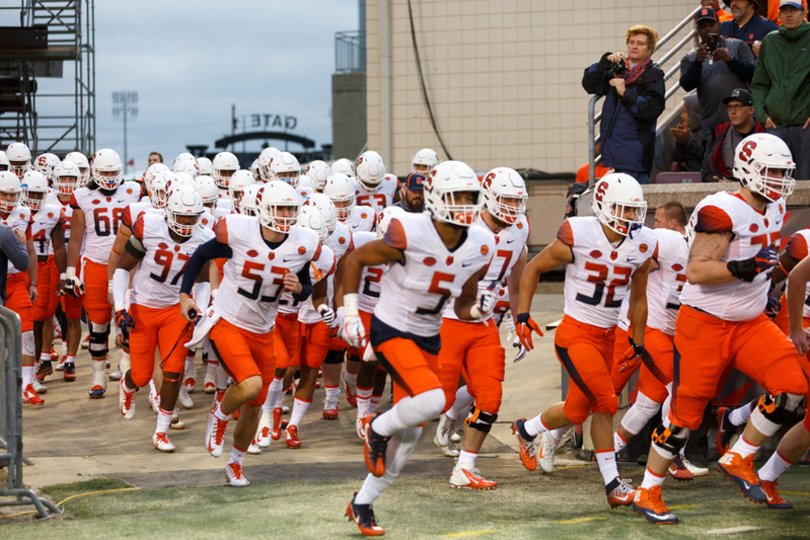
x: 215, y: 435
x: 694, y: 469
x: 126, y: 402
x: 184, y: 399
x: 263, y: 434
x: 210, y: 380
x: 468, y: 477
x: 162, y: 442
x: 546, y: 452
x: 455, y: 437
x: 442, y: 439
x: 176, y: 422
x: 360, y: 425
x: 115, y: 375
x: 190, y: 379
x: 154, y: 400
x: 39, y: 387
x: 254, y: 448
x: 285, y: 409
x: 235, y: 475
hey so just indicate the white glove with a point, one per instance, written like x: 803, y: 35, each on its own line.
x: 484, y: 304
x: 509, y: 324
x: 73, y: 285
x: 353, y: 331
x: 327, y: 315
x: 521, y: 350
x: 337, y: 327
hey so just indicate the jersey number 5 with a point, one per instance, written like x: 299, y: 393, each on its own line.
x: 251, y: 271
x: 435, y: 288
x: 622, y: 278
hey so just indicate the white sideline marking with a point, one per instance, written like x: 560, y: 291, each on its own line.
x: 732, y: 530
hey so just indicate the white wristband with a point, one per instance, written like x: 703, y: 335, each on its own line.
x: 63, y: 276
x: 475, y: 313
x: 119, y: 307
x: 350, y: 304
x: 70, y: 272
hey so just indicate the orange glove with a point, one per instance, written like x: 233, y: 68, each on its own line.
x: 632, y: 357
x: 525, y: 326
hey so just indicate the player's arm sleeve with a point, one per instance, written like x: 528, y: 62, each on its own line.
x: 135, y: 247
x: 713, y: 220
x: 796, y: 248
x: 306, y: 284
x: 206, y: 252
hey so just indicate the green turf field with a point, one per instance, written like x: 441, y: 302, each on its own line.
x: 568, y: 504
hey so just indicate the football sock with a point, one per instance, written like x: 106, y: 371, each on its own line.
x: 741, y: 414
x: 70, y: 359
x: 535, y: 426
x: 237, y: 455
x: 373, y: 403
x: 744, y: 448
x: 651, y: 479
x: 400, y: 448
x: 350, y: 378
x: 27, y: 376
x: 606, y: 459
x: 773, y: 468
x: 467, y: 458
x: 164, y: 420
x: 222, y: 378
x: 272, y: 394
x: 221, y: 416
x: 363, y: 401
x: 300, y: 407
x: 332, y: 392
x: 558, y: 433
x: 45, y: 357
x: 409, y: 412
x: 618, y: 442
x: 463, y: 400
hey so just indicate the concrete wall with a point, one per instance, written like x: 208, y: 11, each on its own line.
x: 503, y: 76
x: 348, y: 114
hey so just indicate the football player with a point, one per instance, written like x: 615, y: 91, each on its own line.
x: 285, y: 167
x: 266, y: 256
x: 341, y: 190
x: 433, y: 257
x: 318, y: 171
x: 224, y: 166
x: 19, y: 157
x: 372, y: 186
x: 424, y: 161
x: 608, y: 255
x: 721, y: 322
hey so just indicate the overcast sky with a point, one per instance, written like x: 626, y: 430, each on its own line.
x: 190, y: 60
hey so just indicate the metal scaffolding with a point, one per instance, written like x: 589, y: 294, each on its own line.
x: 54, y: 36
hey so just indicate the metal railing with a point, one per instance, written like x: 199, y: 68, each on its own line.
x: 350, y: 52
x: 11, y: 456
x: 594, y: 117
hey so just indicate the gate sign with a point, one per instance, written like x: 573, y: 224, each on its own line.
x: 268, y: 121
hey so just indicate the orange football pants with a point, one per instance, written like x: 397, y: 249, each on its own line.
x: 47, y: 279
x: 95, y: 300
x: 475, y: 349
x: 163, y: 328
x: 245, y: 354
x: 315, y: 343
x: 412, y: 369
x: 18, y: 300
x: 72, y: 306
x: 706, y: 345
x: 287, y: 340
x: 652, y: 380
x: 586, y: 353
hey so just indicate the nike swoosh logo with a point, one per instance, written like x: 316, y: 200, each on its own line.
x: 631, y: 259
x: 510, y: 241
x: 286, y: 259
x: 465, y: 265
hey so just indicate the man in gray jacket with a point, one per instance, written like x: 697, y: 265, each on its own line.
x: 12, y: 248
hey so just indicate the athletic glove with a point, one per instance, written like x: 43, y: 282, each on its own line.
x: 525, y: 326
x: 774, y: 305
x: 521, y: 350
x: 632, y: 356
x: 484, y: 304
x: 327, y: 315
x: 509, y: 324
x: 123, y: 319
x: 353, y: 331
x: 73, y: 285
x: 747, y: 270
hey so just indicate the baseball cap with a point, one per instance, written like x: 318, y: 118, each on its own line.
x: 707, y: 13
x: 415, y: 181
x: 728, y: 3
x: 739, y: 94
x: 791, y: 3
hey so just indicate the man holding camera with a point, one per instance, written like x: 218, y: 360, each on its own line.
x: 715, y: 69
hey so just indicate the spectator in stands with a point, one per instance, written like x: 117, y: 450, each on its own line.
x: 748, y: 25
x: 413, y: 193
x: 154, y: 157
x: 715, y: 5
x: 12, y: 249
x: 688, y: 152
x: 715, y: 68
x: 583, y: 173
x: 718, y: 163
x: 782, y: 84
x: 633, y: 86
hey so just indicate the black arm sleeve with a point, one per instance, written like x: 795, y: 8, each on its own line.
x: 209, y: 250
x: 306, y: 284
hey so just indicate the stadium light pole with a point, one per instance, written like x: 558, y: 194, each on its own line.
x: 125, y: 106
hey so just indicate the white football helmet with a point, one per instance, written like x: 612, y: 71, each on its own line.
x: 327, y: 209
x: 265, y: 158
x: 424, y: 161
x: 254, y: 170
x: 505, y: 183
x: 185, y: 178
x: 184, y: 201
x: 106, y: 169
x: 756, y: 160
x: 45, y: 164
x: 206, y: 166
x: 370, y: 169
x: 66, y: 177
x: 285, y: 167
x: 616, y: 195
x: 249, y: 203
x: 305, y: 192
x: 340, y: 190
x: 442, y: 186
x: 159, y: 188
x: 9, y: 183
x: 224, y: 166
x: 153, y: 170
x: 384, y: 218
x: 19, y: 157
x: 4, y: 164
x: 34, y: 183
x: 279, y: 205
x: 239, y: 181
x: 318, y: 171
x: 311, y: 218
x: 343, y: 166
x: 305, y: 181
x: 208, y: 190
x: 186, y: 163
x: 81, y: 161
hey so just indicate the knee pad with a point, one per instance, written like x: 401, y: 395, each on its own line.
x: 773, y: 411
x: 480, y: 420
x: 334, y: 357
x: 639, y: 414
x: 99, y: 334
x: 29, y: 343
x: 668, y: 439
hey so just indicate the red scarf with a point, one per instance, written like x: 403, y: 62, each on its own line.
x: 631, y: 75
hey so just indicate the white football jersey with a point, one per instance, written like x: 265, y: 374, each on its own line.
x: 102, y: 216
x: 341, y: 243
x: 136, y: 210
x: 44, y: 221
x: 735, y: 300
x: 220, y: 213
x: 413, y: 294
x: 21, y: 220
x: 378, y: 199
x: 509, y: 246
x: 224, y: 204
x: 252, y: 279
x: 597, y: 280
x: 207, y: 220
x: 797, y: 250
x: 159, y: 275
x: 323, y: 267
x: 370, y: 278
x: 362, y: 219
